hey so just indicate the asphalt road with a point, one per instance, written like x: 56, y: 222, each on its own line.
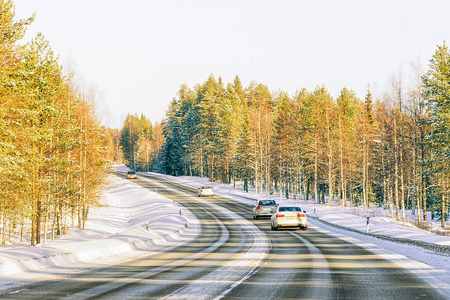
x: 236, y: 257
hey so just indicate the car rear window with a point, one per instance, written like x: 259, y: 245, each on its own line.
x: 131, y: 172
x: 290, y: 208
x: 267, y: 202
x: 207, y: 187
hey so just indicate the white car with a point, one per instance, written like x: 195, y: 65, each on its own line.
x: 264, y: 208
x: 205, y: 190
x: 289, y: 216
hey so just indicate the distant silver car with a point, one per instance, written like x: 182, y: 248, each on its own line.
x: 131, y: 175
x: 205, y: 190
x: 289, y: 216
x: 264, y: 208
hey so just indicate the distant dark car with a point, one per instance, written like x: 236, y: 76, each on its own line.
x: 131, y: 175
x: 264, y: 208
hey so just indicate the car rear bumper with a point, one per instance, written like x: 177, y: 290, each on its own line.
x: 263, y: 215
x: 206, y: 194
x: 264, y: 211
x: 281, y: 222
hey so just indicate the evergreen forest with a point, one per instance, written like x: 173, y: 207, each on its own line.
x: 391, y: 152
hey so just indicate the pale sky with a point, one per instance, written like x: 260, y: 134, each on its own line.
x: 137, y: 53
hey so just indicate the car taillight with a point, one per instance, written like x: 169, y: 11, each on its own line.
x: 258, y: 207
x: 201, y: 191
x: 280, y: 215
x: 301, y: 215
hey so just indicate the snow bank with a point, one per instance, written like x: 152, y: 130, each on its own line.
x: 133, y: 220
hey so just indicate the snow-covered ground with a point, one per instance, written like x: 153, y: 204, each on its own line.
x: 133, y: 221
x: 136, y: 221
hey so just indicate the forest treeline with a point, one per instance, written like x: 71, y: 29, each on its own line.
x: 392, y: 152
x: 53, y: 150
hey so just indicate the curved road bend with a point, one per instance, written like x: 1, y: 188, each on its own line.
x: 236, y: 257
x: 315, y: 265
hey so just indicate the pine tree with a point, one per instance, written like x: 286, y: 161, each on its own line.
x: 347, y: 109
x: 282, y: 140
x: 366, y: 133
x: 12, y: 173
x: 437, y: 94
x: 209, y: 97
x: 51, y: 151
x: 129, y: 138
x: 306, y: 136
x: 244, y: 157
x: 172, y: 159
x: 41, y: 110
x: 262, y: 129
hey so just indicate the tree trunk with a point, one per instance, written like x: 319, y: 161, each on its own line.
x: 316, y: 170
x: 424, y: 195
x: 397, y: 204
x: 341, y: 158
x: 256, y: 174
x: 419, y: 208
x: 330, y: 160
x: 364, y: 179
x: 402, y: 182
x: 308, y: 182
x: 45, y: 228
x: 3, y: 227
x: 38, y: 216
x: 390, y: 196
x: 443, y: 211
